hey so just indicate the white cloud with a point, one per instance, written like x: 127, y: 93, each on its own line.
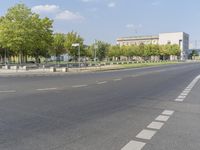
x: 68, y: 15
x: 112, y: 4
x: 46, y: 9
x: 57, y: 12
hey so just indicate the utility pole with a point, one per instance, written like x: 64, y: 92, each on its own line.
x: 5, y: 57
x: 79, y: 53
x: 95, y: 52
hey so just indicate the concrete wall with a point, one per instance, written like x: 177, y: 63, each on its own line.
x: 138, y: 40
x: 180, y: 38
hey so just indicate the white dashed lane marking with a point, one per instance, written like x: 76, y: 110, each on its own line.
x: 79, y: 86
x: 188, y: 90
x: 179, y: 100
x: 168, y: 112
x: 184, y: 94
x: 134, y: 145
x: 162, y: 118
x: 146, y: 134
x: 158, y: 124
x: 118, y: 79
x: 181, y: 97
x: 46, y: 89
x: 155, y: 125
x: 103, y: 82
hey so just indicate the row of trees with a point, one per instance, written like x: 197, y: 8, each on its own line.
x: 144, y: 50
x: 24, y: 34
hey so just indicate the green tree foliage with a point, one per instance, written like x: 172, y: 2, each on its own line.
x: 24, y: 32
x: 194, y: 53
x: 41, y: 36
x: 14, y: 33
x: 71, y: 38
x: 58, y: 46
x: 114, y: 51
x: 144, y: 51
x: 102, y: 49
x: 89, y: 51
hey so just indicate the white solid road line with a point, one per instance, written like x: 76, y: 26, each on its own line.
x: 146, y: 134
x: 168, y: 112
x: 79, y: 86
x: 46, y: 89
x: 9, y: 91
x: 134, y: 145
x: 103, y: 82
x: 162, y: 118
x: 155, y: 125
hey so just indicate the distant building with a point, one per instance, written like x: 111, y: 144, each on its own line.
x: 137, y: 40
x: 180, y: 38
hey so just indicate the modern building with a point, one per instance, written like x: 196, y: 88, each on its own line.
x: 180, y: 38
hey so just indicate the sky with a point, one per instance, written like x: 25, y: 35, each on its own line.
x: 107, y: 20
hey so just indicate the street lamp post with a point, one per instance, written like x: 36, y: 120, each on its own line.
x: 77, y: 45
x: 95, y: 53
x: 5, y: 57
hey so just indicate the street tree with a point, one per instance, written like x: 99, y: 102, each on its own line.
x: 70, y: 39
x: 58, y: 46
x: 14, y: 33
x: 24, y: 32
x: 114, y: 51
x: 102, y: 49
x: 41, y: 36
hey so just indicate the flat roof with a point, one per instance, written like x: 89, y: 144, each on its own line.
x: 138, y: 38
x: 174, y: 33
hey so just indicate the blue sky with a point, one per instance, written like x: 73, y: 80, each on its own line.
x: 108, y: 19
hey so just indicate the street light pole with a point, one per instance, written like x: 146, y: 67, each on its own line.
x: 95, y: 53
x: 5, y: 57
x: 79, y: 51
x: 79, y: 56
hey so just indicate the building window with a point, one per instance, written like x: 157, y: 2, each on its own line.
x: 180, y: 42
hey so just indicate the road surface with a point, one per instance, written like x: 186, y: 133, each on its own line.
x: 153, y: 108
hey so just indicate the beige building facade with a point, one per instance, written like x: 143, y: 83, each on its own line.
x: 179, y: 38
x: 137, y: 40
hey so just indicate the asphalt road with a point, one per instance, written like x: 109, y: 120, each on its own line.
x: 114, y: 110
